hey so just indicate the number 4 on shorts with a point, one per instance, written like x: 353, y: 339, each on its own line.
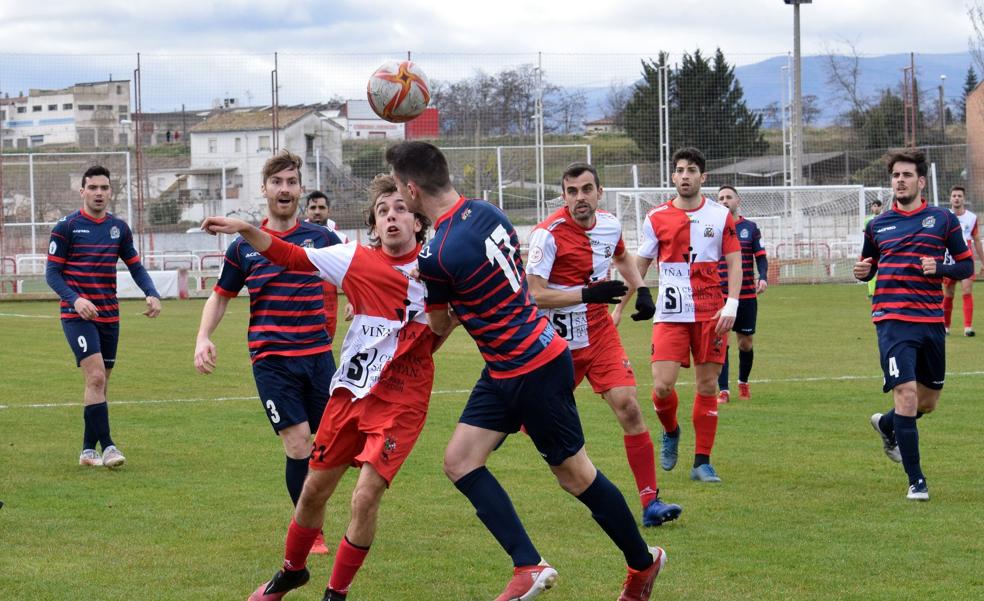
x: 893, y: 367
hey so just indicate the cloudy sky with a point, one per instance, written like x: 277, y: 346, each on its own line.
x: 739, y: 27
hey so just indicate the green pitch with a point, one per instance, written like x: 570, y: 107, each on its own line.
x: 810, y: 508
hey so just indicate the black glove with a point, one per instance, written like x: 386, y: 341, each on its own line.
x: 609, y: 291
x: 645, y: 309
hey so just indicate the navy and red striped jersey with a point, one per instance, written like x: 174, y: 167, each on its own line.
x: 897, y: 240
x: 82, y: 257
x: 286, y: 308
x: 750, y: 240
x: 473, y: 264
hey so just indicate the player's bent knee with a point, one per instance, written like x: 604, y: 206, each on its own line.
x: 662, y: 389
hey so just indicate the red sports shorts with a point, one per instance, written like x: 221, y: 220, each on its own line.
x: 370, y: 430
x: 677, y: 341
x: 604, y: 363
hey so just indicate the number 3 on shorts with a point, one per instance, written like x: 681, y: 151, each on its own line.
x: 893, y: 367
x: 272, y: 410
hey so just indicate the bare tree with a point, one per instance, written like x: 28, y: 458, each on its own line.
x: 976, y: 13
x: 615, y: 101
x: 844, y: 75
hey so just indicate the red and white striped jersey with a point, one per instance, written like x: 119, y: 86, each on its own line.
x: 968, y: 229
x: 570, y: 257
x: 389, y: 346
x: 687, y: 246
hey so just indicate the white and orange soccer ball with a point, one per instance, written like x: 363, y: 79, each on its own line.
x: 398, y: 91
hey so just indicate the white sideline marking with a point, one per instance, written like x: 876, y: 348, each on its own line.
x: 165, y: 401
x: 23, y: 315
x: 444, y: 392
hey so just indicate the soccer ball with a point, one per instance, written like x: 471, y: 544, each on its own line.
x: 398, y: 91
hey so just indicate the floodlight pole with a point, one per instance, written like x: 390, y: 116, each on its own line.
x: 796, y: 150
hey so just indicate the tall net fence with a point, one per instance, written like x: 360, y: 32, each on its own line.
x: 186, y: 136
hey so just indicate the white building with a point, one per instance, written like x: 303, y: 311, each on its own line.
x: 85, y: 115
x: 229, y: 148
x: 361, y: 123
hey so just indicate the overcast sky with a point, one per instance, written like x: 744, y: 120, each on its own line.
x: 745, y: 29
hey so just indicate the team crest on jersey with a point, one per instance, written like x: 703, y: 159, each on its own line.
x: 744, y: 233
x: 929, y: 221
x: 114, y: 232
x: 308, y: 243
x: 465, y: 214
x: 536, y: 253
x: 708, y: 232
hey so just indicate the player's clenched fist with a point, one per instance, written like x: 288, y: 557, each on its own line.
x: 862, y: 268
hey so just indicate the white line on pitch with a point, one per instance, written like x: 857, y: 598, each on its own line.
x: 444, y: 392
x: 23, y: 315
x: 165, y: 401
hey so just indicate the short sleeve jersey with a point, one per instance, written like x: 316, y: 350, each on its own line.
x: 286, y: 308
x: 688, y: 245
x: 897, y: 240
x: 968, y: 225
x: 569, y: 257
x: 389, y: 347
x: 750, y: 240
x: 87, y: 248
x: 473, y: 264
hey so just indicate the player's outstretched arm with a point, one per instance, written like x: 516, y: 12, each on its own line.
x: 212, y: 313
x: 256, y: 237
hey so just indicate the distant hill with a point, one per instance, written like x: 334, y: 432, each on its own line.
x: 761, y: 81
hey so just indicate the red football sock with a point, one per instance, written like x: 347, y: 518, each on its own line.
x: 348, y: 560
x: 666, y: 410
x: 298, y: 545
x: 947, y: 310
x: 705, y: 423
x: 642, y: 462
x: 968, y: 309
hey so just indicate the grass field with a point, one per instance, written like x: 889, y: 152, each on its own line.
x: 810, y: 508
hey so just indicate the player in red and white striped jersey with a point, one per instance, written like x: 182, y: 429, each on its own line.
x: 687, y: 237
x: 570, y: 259
x: 971, y: 234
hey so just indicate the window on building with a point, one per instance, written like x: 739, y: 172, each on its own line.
x: 8, y: 143
x: 21, y: 142
x: 36, y: 108
x: 67, y: 106
x: 52, y: 107
x: 239, y: 145
x: 3, y: 114
x: 213, y: 145
x: 124, y: 139
x: 123, y: 108
x: 105, y: 107
x: 264, y: 143
x: 37, y: 140
x: 22, y: 109
x: 119, y: 89
x: 86, y: 107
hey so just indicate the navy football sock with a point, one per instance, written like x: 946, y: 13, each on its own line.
x: 609, y: 509
x: 887, y: 422
x: 700, y: 459
x: 745, y: 359
x: 89, y: 438
x: 294, y: 473
x: 907, y: 435
x: 97, y: 418
x: 495, y: 509
x: 674, y: 434
x: 723, y: 376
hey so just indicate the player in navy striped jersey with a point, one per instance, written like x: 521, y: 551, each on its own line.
x: 474, y: 274
x: 288, y: 343
x: 906, y: 246
x: 752, y: 252
x: 81, y: 268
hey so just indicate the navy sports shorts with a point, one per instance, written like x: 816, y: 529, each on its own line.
x: 542, y: 401
x: 912, y: 351
x: 90, y: 337
x: 294, y: 389
x: 747, y: 314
